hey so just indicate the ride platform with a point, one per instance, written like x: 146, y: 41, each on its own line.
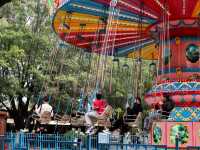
x: 183, y: 123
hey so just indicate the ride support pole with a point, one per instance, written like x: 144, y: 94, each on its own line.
x: 177, y: 143
x: 89, y: 142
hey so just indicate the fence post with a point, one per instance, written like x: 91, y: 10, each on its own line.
x: 156, y: 148
x: 2, y: 141
x: 146, y: 148
x: 40, y: 141
x: 22, y: 140
x: 89, y: 143
x: 57, y: 141
x: 13, y: 139
x: 80, y: 145
x: 177, y: 142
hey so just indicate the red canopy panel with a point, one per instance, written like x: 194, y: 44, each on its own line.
x: 181, y: 8
x: 87, y: 40
x: 176, y: 8
x: 132, y: 6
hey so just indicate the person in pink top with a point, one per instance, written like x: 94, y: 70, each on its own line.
x: 98, y: 108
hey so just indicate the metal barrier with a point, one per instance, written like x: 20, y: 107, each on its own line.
x: 107, y: 142
x: 130, y: 147
x: 22, y: 141
x: 193, y: 148
x: 40, y: 141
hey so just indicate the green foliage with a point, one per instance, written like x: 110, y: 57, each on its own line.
x: 32, y: 64
x: 24, y: 47
x: 3, y: 2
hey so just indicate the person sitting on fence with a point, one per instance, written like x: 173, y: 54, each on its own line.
x: 98, y: 108
x: 154, y: 114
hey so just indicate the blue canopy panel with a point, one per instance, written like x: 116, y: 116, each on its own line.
x: 124, y: 51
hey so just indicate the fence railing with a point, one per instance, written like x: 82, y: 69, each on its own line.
x: 22, y: 141
x: 193, y: 148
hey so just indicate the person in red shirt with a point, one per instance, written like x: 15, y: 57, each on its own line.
x: 99, y: 104
x: 98, y: 108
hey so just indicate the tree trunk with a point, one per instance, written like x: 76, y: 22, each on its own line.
x: 19, y: 120
x: 19, y: 114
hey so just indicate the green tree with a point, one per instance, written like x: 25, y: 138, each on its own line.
x: 3, y: 2
x: 24, y: 45
x: 33, y: 63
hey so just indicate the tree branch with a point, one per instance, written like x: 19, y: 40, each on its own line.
x: 8, y: 109
x: 18, y: 71
x: 12, y: 102
x: 3, y: 2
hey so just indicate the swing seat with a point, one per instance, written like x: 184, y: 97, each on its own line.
x: 60, y: 120
x: 104, y: 118
x: 57, y: 117
x: 103, y: 122
x: 64, y: 118
x: 134, y: 123
x: 45, y: 118
x: 78, y: 121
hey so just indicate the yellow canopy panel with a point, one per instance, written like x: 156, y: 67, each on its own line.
x: 148, y: 52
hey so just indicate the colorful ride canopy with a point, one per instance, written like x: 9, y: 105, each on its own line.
x: 126, y: 28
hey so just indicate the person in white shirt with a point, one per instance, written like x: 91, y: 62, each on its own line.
x: 45, y: 107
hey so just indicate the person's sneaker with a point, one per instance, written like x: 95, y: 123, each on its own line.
x: 24, y: 130
x: 93, y: 131
x: 106, y: 131
x: 33, y: 131
x: 89, y: 130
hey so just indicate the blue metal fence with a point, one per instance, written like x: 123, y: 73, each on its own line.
x: 193, y: 148
x: 131, y: 147
x: 21, y: 141
x: 40, y: 141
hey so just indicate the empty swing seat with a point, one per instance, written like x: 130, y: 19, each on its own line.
x: 134, y: 121
x: 60, y: 120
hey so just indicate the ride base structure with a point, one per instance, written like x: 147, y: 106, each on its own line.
x: 178, y: 77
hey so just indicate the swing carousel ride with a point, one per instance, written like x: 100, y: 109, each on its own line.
x: 164, y: 31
